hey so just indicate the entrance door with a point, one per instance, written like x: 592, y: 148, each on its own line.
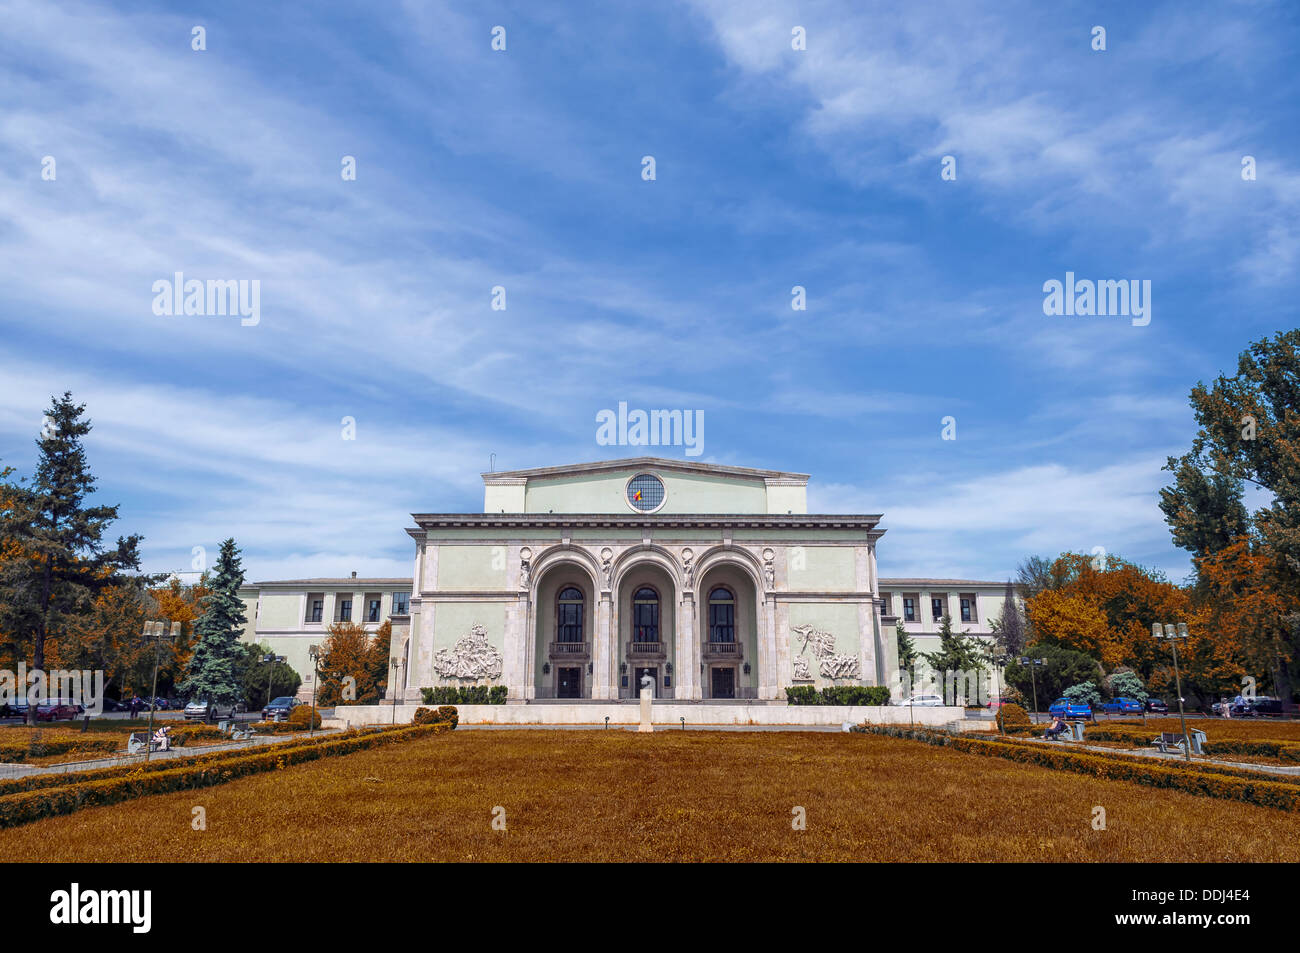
x: 568, y: 683
x: 724, y: 682
x: 636, y: 683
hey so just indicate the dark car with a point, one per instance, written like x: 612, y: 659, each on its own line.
x: 111, y: 704
x: 279, y: 708
x: 1158, y: 706
x: 1262, y: 705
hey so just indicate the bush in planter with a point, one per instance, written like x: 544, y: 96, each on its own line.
x: 466, y: 695
x: 302, y: 717
x: 445, y: 715
x: 1013, y: 716
x: 801, y: 695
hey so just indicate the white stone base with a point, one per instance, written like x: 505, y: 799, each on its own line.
x: 665, y: 713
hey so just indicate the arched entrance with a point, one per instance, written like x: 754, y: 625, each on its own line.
x: 646, y: 623
x: 564, y: 625
x: 728, y: 633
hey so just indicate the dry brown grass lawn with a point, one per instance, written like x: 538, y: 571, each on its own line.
x: 722, y: 796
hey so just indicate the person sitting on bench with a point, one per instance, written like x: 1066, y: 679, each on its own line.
x: 1055, y: 729
x: 162, y: 739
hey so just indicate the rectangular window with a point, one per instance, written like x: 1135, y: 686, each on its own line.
x: 936, y: 608
x: 967, y: 611
x: 372, y: 610
x: 315, y: 607
x: 909, y: 609
x: 401, y: 603
x: 888, y: 607
x: 345, y: 610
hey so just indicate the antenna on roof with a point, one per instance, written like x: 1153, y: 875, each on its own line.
x: 492, y: 463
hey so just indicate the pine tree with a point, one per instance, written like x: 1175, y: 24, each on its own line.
x: 215, y: 671
x: 907, y: 653
x: 53, y: 561
x: 1009, y: 629
x: 958, y: 652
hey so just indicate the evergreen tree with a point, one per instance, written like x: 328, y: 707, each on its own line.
x: 907, y: 653
x: 958, y: 652
x: 53, y: 561
x: 216, y: 668
x: 1009, y: 629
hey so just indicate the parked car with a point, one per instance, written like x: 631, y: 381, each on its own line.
x: 1068, y: 709
x: 278, y: 709
x: 111, y: 704
x: 202, y: 708
x: 1118, y: 705
x: 1158, y: 706
x: 921, y: 701
x: 1258, y: 706
x: 57, y: 709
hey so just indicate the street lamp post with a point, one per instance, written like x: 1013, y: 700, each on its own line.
x: 998, y: 662
x: 1032, y: 680
x: 395, y: 665
x: 314, y: 652
x: 1172, y: 633
x: 156, y: 632
x: 271, y: 661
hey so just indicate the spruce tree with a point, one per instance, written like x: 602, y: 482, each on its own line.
x: 958, y: 652
x: 215, y: 671
x: 53, y: 560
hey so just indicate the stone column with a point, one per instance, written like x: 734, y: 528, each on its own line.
x: 602, y: 645
x: 770, y: 664
x: 780, y: 642
x: 687, y: 686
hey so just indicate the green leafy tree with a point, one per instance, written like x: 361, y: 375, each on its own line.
x: 1127, y: 684
x: 214, y: 671
x: 1065, y: 667
x: 54, y: 561
x: 1084, y: 693
x: 257, y: 675
x: 1248, y: 433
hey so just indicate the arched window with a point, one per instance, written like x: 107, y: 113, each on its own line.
x: 568, y: 615
x: 645, y: 615
x: 722, y: 615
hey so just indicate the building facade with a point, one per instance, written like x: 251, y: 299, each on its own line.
x: 575, y: 582
x: 291, y: 615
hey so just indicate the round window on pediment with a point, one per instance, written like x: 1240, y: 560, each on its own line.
x: 645, y: 493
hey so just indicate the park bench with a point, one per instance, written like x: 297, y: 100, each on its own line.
x: 138, y: 741
x: 1073, y: 732
x: 239, y: 732
x: 1169, y: 741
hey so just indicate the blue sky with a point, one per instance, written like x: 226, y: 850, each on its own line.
x: 522, y: 168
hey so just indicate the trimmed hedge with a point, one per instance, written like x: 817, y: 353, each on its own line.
x: 1251, y: 789
x: 446, y: 715
x: 465, y: 695
x: 34, y: 782
x: 838, y: 695
x: 1012, y: 718
x: 26, y: 806
x: 305, y: 716
x: 38, y: 746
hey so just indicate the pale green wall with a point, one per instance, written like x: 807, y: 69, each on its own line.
x: 452, y: 621
x: 820, y: 568
x: 687, y: 493
x: 281, y: 610
x: 472, y: 567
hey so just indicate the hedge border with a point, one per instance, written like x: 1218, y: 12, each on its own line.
x: 27, y: 806
x: 33, y: 782
x: 1221, y: 785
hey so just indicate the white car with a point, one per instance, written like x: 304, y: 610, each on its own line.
x: 921, y: 701
x: 200, y: 708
